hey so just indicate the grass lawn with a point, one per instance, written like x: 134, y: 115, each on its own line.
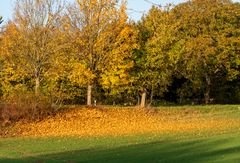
x: 186, y: 146
x: 221, y: 148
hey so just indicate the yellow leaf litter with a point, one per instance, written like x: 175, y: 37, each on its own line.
x: 118, y: 122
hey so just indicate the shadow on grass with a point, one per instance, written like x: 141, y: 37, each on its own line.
x: 206, y: 150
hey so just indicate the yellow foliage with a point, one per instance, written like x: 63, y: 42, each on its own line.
x: 80, y: 74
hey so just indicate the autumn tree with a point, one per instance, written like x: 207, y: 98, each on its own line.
x: 1, y: 58
x: 103, y: 42
x: 158, y: 55
x: 9, y: 72
x: 31, y: 38
x: 209, y: 30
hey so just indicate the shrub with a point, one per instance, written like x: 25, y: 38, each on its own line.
x: 27, y: 106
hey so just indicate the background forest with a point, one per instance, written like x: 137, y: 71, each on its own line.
x: 89, y: 52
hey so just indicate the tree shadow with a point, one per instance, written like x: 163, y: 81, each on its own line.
x: 164, y: 151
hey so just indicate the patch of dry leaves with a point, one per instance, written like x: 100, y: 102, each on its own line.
x: 117, y: 122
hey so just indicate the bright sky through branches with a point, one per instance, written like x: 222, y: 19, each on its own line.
x: 135, y: 7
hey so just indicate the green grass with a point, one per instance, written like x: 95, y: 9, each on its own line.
x: 204, y: 108
x: 214, y: 107
x: 218, y: 148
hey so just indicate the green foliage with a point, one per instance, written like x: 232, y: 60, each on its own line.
x: 204, y: 27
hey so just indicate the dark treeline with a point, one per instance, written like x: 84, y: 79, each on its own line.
x: 89, y: 52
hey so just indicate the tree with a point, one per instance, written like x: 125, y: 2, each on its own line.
x: 10, y: 73
x: 103, y: 42
x: 209, y: 31
x: 34, y: 41
x: 159, y: 51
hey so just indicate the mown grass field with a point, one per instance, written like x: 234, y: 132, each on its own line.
x: 169, y: 134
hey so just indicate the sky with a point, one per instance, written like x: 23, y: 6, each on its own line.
x: 135, y: 7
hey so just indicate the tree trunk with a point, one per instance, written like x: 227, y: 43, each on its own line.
x: 138, y: 100
x: 207, y: 91
x: 143, y: 99
x: 89, y: 95
x: 151, y: 97
x: 37, y: 85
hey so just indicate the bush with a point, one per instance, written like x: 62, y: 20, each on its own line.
x: 27, y: 106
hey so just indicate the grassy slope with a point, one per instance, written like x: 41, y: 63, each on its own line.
x: 178, y: 147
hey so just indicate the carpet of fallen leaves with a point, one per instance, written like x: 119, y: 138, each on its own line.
x: 118, y: 122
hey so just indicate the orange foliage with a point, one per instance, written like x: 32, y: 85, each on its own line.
x: 119, y: 122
